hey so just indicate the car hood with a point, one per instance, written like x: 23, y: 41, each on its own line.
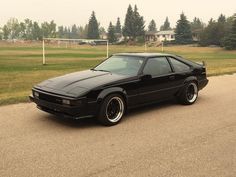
x: 79, y: 83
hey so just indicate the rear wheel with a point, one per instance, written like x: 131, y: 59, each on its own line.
x: 189, y: 94
x: 112, y: 110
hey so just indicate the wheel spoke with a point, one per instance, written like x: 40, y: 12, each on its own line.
x: 191, y: 92
x: 115, y: 109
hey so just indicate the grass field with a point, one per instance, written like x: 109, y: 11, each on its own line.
x: 21, y: 64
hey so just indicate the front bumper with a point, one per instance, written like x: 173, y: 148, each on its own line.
x: 65, y: 111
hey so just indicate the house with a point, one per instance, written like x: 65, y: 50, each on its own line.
x: 159, y: 36
x: 103, y: 35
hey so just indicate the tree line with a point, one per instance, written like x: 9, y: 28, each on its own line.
x: 220, y: 32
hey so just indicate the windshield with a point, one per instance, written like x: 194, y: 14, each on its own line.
x: 125, y: 65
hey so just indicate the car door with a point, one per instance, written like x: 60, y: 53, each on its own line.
x: 157, y: 80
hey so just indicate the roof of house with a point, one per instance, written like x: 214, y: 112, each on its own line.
x: 160, y: 32
x: 151, y: 32
x: 166, y: 32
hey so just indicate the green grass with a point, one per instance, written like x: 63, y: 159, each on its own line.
x: 21, y: 64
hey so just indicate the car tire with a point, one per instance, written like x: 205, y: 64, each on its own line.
x: 189, y: 93
x: 111, y: 110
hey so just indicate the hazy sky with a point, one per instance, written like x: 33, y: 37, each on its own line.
x: 68, y: 12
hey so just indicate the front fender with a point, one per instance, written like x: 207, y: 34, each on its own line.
x: 111, y: 90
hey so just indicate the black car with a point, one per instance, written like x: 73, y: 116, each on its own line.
x: 121, y: 82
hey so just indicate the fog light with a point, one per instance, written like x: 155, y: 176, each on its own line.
x: 67, y: 102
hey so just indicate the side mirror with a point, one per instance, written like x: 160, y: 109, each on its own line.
x: 146, y: 77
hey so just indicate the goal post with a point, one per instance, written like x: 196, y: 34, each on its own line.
x: 88, y: 41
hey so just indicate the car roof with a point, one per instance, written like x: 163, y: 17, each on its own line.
x: 144, y: 55
x: 150, y: 55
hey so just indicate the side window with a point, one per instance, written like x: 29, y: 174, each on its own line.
x: 179, y: 66
x: 157, y: 66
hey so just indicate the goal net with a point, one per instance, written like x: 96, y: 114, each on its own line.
x: 73, y: 43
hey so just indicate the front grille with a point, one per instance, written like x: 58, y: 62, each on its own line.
x: 50, y: 98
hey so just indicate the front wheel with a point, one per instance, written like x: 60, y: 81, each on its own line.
x: 189, y: 94
x: 112, y: 110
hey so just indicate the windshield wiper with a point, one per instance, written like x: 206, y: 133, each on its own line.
x: 100, y: 70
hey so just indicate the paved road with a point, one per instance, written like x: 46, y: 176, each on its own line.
x: 162, y: 140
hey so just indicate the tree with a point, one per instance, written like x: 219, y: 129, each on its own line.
x: 22, y: 34
x: 215, y: 32
x: 166, y: 25
x: 118, y: 26
x: 12, y: 29
x: 93, y: 30
x: 1, y: 34
x: 197, y: 24
x: 36, y: 32
x: 28, y: 29
x: 60, y: 32
x: 48, y: 29
x: 221, y: 29
x: 74, y: 32
x: 111, y: 33
x: 230, y: 41
x: 102, y: 32
x: 128, y: 25
x: 183, y: 31
x: 6, y: 32
x: 52, y: 28
x: 83, y: 31
x: 138, y: 23
x: 208, y: 36
x: 134, y: 24
x: 152, y: 26
x: 197, y: 27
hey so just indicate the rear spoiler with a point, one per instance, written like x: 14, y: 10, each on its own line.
x: 203, y: 63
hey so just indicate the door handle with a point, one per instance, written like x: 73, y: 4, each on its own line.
x: 171, y: 77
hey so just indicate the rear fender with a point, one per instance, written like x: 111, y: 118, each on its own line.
x: 187, y: 80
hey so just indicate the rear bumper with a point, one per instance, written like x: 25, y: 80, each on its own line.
x: 202, y: 83
x: 72, y: 112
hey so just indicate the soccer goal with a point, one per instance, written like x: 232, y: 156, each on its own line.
x: 67, y: 42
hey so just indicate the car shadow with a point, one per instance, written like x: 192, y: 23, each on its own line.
x: 80, y: 123
x: 92, y: 122
x: 149, y: 108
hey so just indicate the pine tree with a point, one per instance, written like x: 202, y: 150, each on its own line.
x: 129, y: 23
x: 222, y: 18
x: 215, y: 32
x: 134, y: 24
x: 166, y: 25
x: 138, y: 24
x: 152, y: 26
x: 197, y: 24
x: 93, y: 30
x: 118, y: 26
x: 230, y: 41
x: 221, y: 29
x: 183, y: 31
x: 111, y: 33
x: 74, y: 32
x: 60, y: 32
